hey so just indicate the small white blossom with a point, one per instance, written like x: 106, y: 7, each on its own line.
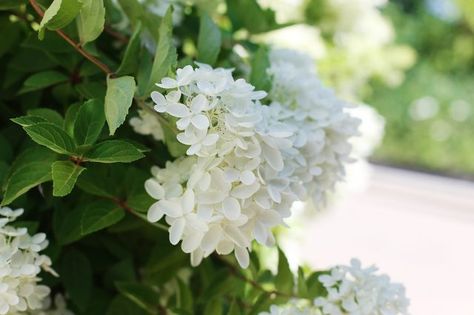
x: 292, y: 308
x: 20, y: 264
x: 353, y: 290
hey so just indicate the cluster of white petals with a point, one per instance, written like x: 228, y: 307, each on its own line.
x: 20, y: 264
x: 59, y: 307
x: 247, y: 162
x: 353, y: 290
x: 146, y: 124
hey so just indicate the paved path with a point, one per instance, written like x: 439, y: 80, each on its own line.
x: 418, y: 228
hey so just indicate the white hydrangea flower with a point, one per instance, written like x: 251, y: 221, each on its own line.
x: 247, y: 162
x: 323, y: 123
x: 353, y: 290
x: 146, y: 124
x: 20, y: 264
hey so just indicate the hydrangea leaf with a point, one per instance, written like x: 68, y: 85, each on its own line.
x: 118, y: 99
x: 113, y: 151
x: 209, y: 40
x: 65, y: 174
x: 76, y: 275
x: 59, y: 14
x: 141, y: 295
x: 51, y: 136
x: 30, y: 169
x: 70, y: 118
x: 89, y: 122
x: 213, y: 307
x: 260, y: 63
x: 48, y: 114
x: 250, y: 15
x: 165, y: 55
x: 28, y: 120
x: 99, y: 215
x: 90, y: 21
x: 121, y: 305
x: 284, y: 281
x: 42, y: 80
x: 129, y: 62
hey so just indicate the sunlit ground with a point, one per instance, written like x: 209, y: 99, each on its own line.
x: 417, y: 228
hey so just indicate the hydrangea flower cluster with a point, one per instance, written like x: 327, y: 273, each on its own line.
x: 354, y: 290
x: 146, y: 124
x: 20, y: 264
x: 247, y: 163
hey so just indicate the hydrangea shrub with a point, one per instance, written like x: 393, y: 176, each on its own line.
x: 131, y: 126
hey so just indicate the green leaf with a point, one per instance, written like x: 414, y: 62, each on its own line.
x: 59, y: 14
x: 209, y: 40
x: 143, y: 296
x: 96, y: 181
x: 302, y: 287
x: 76, y: 275
x: 10, y: 4
x: 99, y: 215
x: 165, y: 55
x: 28, y: 120
x: 213, y: 307
x: 51, y: 136
x: 65, y: 174
x: 70, y: 118
x: 89, y: 122
x: 42, y: 80
x: 118, y: 99
x: 123, y: 306
x: 66, y: 225
x: 129, y: 62
x: 259, y: 76
x: 185, y: 297
x: 91, y: 20
x: 284, y: 281
x: 175, y: 148
x: 234, y: 309
x: 31, y: 168
x: 113, y: 151
x: 48, y: 114
x: 249, y: 14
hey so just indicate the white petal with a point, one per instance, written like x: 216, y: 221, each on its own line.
x: 242, y: 256
x: 183, y: 123
x: 158, y: 99
x: 173, y: 96
x: 170, y: 208
x: 177, y: 110
x: 236, y: 236
x: 260, y: 233
x: 231, y: 208
x: 154, y: 189
x: 200, y: 122
x: 196, y: 257
x: 210, y: 139
x: 273, y: 157
x: 167, y: 83
x: 155, y: 213
x: 199, y: 104
x: 247, y: 177
x: 244, y: 191
x: 191, y: 242
x: 176, y: 230
x: 224, y: 247
x: 187, y: 201
x: 211, y: 239
x: 193, y: 149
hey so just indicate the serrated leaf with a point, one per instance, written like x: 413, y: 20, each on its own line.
x: 59, y: 14
x: 259, y: 76
x: 66, y: 225
x: 165, y: 55
x: 209, y: 40
x: 90, y: 21
x: 30, y: 169
x: 28, y: 120
x: 48, y: 114
x: 141, y: 295
x: 51, y: 136
x: 76, y: 275
x: 65, y: 174
x: 123, y: 306
x: 70, y: 118
x: 250, y: 15
x: 113, y: 151
x: 130, y: 61
x: 99, y: 215
x: 89, y: 122
x: 118, y: 99
x: 42, y: 80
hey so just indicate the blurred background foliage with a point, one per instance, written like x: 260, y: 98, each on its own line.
x: 430, y: 116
